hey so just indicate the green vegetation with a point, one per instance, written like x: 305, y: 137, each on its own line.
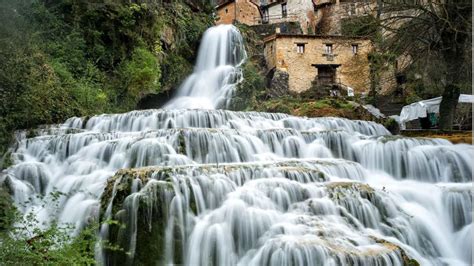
x: 6, y: 209
x: 301, y: 106
x: 252, y: 94
x: 364, y: 26
x: 25, y: 242
x: 431, y: 52
x: 75, y: 58
x: 249, y: 89
x: 392, y: 125
x: 252, y: 88
x: 453, y: 136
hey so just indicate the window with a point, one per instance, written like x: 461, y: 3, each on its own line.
x: 226, y: 11
x: 300, y: 48
x: 284, y: 11
x: 328, y: 49
x: 352, y: 10
x: 355, y: 49
x: 265, y: 15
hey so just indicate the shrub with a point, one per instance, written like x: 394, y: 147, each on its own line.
x: 26, y: 242
x: 249, y: 88
x: 140, y: 75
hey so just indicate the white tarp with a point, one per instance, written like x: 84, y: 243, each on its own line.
x: 422, y: 108
x: 350, y: 92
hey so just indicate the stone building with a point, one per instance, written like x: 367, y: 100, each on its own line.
x: 330, y: 15
x: 309, y: 60
x: 312, y: 16
x: 243, y: 11
x: 315, y: 16
x: 280, y: 11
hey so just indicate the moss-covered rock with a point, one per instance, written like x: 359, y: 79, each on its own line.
x: 407, y: 261
x: 136, y: 228
x: 142, y: 217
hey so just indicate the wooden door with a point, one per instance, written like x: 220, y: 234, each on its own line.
x: 326, y: 75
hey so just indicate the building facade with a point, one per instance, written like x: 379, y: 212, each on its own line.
x: 313, y: 16
x: 320, y: 60
x: 243, y: 11
x: 330, y: 14
x: 278, y: 11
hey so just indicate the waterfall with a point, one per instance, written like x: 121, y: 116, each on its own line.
x: 217, y: 187
x: 216, y: 73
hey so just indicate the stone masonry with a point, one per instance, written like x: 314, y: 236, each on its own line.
x: 351, y: 69
x: 243, y: 11
x: 301, y: 11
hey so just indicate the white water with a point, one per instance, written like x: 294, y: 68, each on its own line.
x: 216, y: 72
x: 251, y: 188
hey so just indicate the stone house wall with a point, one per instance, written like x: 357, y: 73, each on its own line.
x: 244, y: 11
x: 281, y: 53
x: 301, y: 11
x: 310, y: 13
x: 284, y: 27
x: 330, y: 15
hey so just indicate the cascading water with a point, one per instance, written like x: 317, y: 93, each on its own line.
x: 216, y: 72
x: 215, y: 187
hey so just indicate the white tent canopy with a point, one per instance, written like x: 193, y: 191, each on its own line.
x: 422, y: 108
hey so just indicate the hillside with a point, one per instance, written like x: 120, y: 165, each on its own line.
x: 73, y: 58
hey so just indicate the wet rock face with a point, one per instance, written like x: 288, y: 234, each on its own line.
x: 135, y: 218
x: 154, y: 100
x: 279, y: 84
x: 175, y: 202
x: 200, y: 187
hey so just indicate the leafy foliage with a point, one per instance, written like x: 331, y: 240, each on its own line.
x: 78, y: 58
x: 427, y: 30
x: 249, y: 89
x: 140, y: 75
x: 363, y: 26
x: 26, y: 242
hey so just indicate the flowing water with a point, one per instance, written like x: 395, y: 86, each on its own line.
x: 216, y: 187
x: 216, y: 72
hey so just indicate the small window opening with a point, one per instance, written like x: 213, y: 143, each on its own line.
x: 300, y: 48
x: 284, y: 11
x: 355, y: 49
x: 328, y: 49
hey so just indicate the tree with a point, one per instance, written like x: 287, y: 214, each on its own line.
x: 419, y: 29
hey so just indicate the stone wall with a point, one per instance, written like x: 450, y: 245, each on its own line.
x: 301, y: 11
x: 284, y: 27
x: 281, y: 53
x: 329, y: 16
x: 226, y: 13
x: 245, y: 11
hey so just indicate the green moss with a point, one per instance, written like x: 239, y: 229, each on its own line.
x: 31, y: 133
x: 247, y: 91
x: 410, y: 262
x: 7, y: 160
x: 7, y: 209
x: 153, y: 252
x: 153, y: 208
x: 181, y: 143
x: 252, y: 88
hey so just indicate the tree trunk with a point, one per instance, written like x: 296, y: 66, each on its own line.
x: 447, y: 108
x: 454, y: 50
